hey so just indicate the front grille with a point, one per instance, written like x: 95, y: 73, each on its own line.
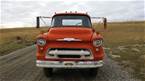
x: 68, y: 53
x: 73, y: 49
x: 69, y: 56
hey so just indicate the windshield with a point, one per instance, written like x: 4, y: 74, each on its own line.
x: 71, y: 20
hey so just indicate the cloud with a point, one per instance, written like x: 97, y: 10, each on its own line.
x: 23, y: 13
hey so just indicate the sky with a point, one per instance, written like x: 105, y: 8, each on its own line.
x: 22, y: 13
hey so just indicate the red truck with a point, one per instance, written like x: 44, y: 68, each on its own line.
x: 70, y: 42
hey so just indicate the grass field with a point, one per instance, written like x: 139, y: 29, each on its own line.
x: 16, y: 38
x: 125, y: 42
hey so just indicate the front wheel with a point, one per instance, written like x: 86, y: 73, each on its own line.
x: 48, y: 71
x: 93, y: 71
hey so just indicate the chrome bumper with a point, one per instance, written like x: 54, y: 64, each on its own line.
x: 69, y: 64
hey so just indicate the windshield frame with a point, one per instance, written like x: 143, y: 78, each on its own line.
x: 86, y: 17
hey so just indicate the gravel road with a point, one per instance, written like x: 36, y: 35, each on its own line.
x: 20, y: 66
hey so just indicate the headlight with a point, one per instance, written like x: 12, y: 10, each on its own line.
x: 98, y: 42
x: 41, y: 42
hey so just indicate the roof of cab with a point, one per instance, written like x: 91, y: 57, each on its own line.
x: 71, y: 13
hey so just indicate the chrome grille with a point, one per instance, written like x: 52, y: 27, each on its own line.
x: 68, y: 53
x: 69, y: 56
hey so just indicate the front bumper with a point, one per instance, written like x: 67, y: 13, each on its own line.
x: 69, y: 64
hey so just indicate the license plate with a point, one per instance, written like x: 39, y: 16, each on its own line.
x: 68, y: 63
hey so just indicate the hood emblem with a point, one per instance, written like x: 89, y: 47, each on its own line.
x: 69, y: 39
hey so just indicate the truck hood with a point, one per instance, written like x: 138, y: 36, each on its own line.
x: 69, y: 34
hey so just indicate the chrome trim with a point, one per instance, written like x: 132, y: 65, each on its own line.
x: 68, y: 39
x: 69, y: 52
x: 57, y: 53
x: 58, y: 64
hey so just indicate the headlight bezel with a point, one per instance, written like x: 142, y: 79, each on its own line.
x: 41, y: 42
x: 98, y: 42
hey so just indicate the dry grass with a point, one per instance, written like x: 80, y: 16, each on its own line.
x: 9, y: 38
x: 124, y: 33
x: 127, y: 34
x: 132, y: 58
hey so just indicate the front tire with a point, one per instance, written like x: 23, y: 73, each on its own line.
x: 48, y: 71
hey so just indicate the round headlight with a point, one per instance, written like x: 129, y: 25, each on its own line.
x: 41, y: 42
x: 97, y: 42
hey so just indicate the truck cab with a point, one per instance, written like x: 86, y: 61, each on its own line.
x: 70, y: 42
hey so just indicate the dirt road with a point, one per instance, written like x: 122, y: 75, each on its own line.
x: 20, y: 66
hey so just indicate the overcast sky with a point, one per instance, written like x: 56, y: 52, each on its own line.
x: 16, y: 13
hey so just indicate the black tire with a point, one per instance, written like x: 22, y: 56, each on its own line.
x: 93, y: 71
x: 48, y: 72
